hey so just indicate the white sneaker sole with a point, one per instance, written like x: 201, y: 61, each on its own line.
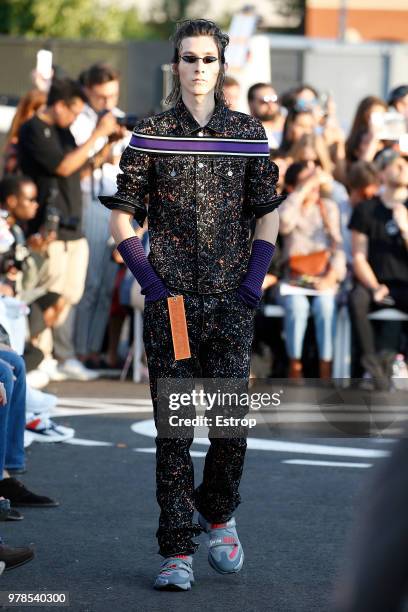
x: 37, y: 437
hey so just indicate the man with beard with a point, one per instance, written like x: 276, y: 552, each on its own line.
x: 263, y: 104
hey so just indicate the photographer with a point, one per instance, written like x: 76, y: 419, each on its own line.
x: 101, y: 86
x: 48, y: 154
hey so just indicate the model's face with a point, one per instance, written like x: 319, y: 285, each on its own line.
x: 104, y: 96
x: 24, y: 206
x: 232, y: 94
x: 264, y: 104
x: 198, y: 78
x: 65, y: 114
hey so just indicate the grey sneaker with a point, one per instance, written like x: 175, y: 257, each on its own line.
x: 225, y: 553
x: 176, y: 574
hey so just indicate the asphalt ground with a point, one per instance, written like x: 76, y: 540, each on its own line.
x: 99, y: 545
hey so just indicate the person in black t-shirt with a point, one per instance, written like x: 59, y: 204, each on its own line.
x: 49, y: 156
x: 380, y: 257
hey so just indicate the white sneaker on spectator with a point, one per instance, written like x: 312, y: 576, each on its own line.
x: 37, y: 401
x: 76, y: 370
x: 37, y: 379
x: 43, y: 429
x: 28, y: 438
x: 50, y: 367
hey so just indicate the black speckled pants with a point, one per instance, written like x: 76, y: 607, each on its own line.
x: 220, y: 328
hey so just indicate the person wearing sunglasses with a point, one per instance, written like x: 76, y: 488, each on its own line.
x: 264, y: 105
x: 207, y: 172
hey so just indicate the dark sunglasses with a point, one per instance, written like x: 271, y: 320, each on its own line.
x: 191, y: 59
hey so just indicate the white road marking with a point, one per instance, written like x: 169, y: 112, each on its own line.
x: 63, y: 412
x: 99, y: 406
x: 135, y: 401
x: 327, y: 463
x: 94, y: 402
x: 84, y: 442
x: 147, y: 428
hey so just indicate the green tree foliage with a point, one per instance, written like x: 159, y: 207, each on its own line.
x: 70, y: 19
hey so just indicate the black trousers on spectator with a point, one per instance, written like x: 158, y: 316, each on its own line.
x: 37, y: 308
x: 220, y: 329
x: 33, y: 356
x: 361, y: 304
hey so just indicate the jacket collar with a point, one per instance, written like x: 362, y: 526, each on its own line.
x: 190, y: 125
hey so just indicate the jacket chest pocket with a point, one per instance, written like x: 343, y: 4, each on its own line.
x: 229, y: 177
x: 229, y: 174
x: 172, y: 178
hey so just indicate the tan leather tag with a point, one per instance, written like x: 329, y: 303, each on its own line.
x: 179, y: 330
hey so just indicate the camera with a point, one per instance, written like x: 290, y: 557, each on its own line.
x: 128, y: 120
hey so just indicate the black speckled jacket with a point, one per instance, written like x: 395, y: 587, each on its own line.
x: 200, y: 207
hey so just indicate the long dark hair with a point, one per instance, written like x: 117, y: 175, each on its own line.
x: 361, y: 124
x: 198, y: 27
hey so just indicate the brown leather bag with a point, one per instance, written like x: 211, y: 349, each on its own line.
x: 313, y: 264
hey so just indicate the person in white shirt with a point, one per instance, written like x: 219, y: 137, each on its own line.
x: 102, y: 87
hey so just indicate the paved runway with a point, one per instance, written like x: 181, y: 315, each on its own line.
x: 299, y: 497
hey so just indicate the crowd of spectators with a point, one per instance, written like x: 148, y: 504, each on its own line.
x: 66, y: 294
x: 343, y: 238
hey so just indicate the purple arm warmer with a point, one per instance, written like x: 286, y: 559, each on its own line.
x: 134, y: 257
x: 250, y: 290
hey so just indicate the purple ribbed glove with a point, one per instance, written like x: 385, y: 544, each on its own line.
x: 250, y: 290
x: 132, y: 252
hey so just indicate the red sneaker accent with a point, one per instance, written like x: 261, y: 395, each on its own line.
x: 233, y: 553
x: 33, y: 424
x: 218, y: 525
x: 180, y: 556
x: 229, y: 540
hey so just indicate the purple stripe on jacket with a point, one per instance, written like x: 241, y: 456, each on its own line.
x: 198, y: 145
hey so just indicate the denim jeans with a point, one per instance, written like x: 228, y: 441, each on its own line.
x: 12, y: 414
x: 297, y: 307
